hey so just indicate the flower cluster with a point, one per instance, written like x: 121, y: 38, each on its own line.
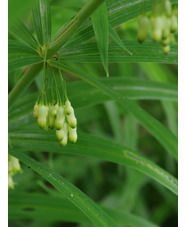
x: 164, y: 23
x: 13, y: 168
x: 60, y: 117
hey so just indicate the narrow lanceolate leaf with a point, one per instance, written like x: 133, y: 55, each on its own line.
x: 17, y: 61
x: 19, y: 31
x: 160, y: 132
x: 78, y: 198
x: 159, y: 73
x: 60, y: 209
x: 146, y: 52
x: 100, y: 25
x: 16, y: 47
x: 117, y: 39
x: 92, y: 146
x: 42, y: 20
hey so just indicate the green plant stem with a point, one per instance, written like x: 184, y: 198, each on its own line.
x: 72, y: 26
x: 63, y: 36
x: 24, y: 82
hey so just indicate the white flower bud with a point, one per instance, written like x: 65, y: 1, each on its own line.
x: 60, y: 118
x: 71, y: 119
x: 143, y: 23
x: 156, y: 23
x: 10, y: 168
x: 172, y: 39
x: 52, y: 116
x: 68, y: 107
x: 173, y: 23
x: 64, y: 141
x: 10, y: 182
x: 54, y: 111
x: 15, y: 165
x: 166, y: 49
x: 166, y: 41
x: 72, y: 134
x: 168, y: 8
x: 165, y: 27
x: 61, y: 133
x: 42, y: 115
x: 35, y: 114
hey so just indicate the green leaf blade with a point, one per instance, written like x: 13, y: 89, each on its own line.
x: 19, y: 31
x: 117, y: 39
x: 146, y: 52
x: 42, y: 21
x: 73, y: 194
x: 100, y: 25
x: 16, y: 62
x: 93, y: 146
x: 160, y: 132
x: 61, y: 210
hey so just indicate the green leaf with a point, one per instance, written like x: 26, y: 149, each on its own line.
x: 19, y: 31
x: 146, y: 52
x: 16, y: 47
x: 171, y: 116
x: 100, y: 24
x: 92, y: 146
x: 113, y: 115
x: 131, y: 132
x: 32, y: 205
x: 163, y: 74
x: 117, y: 39
x: 42, y: 21
x: 20, y: 9
x: 73, y: 194
x: 17, y: 61
x: 162, y: 134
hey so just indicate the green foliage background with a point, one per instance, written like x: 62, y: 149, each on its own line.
x: 125, y: 159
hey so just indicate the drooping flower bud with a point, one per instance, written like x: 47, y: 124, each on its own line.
x: 172, y: 39
x: 166, y: 41
x: 72, y: 134
x: 54, y: 111
x: 173, y: 23
x: 168, y: 8
x: 42, y: 115
x: 52, y: 116
x: 71, y: 119
x: 143, y: 23
x: 13, y: 168
x: 156, y: 23
x: 35, y: 113
x: 61, y: 133
x: 68, y: 107
x: 60, y: 118
x: 15, y: 165
x: 165, y: 27
x: 64, y: 141
x: 166, y: 49
x: 10, y: 182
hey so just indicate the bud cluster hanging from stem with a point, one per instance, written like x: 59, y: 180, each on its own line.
x: 164, y: 23
x: 53, y: 110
